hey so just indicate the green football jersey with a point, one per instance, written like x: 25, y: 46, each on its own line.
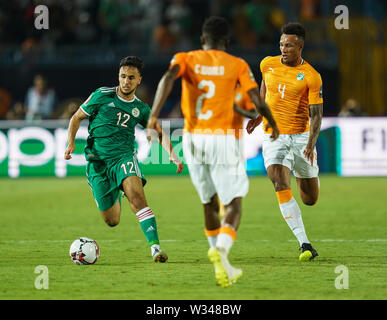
x: 112, y: 122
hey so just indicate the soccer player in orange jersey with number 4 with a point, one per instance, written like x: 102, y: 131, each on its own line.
x: 292, y: 88
x: 210, y: 140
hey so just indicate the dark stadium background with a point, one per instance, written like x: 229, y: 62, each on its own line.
x: 79, y: 53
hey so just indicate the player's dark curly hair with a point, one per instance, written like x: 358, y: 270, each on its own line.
x: 294, y: 28
x: 216, y: 29
x: 132, y: 61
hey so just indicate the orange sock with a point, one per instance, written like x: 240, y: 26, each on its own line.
x: 292, y: 214
x: 284, y: 196
x: 212, y: 236
x: 229, y: 230
x: 211, y: 233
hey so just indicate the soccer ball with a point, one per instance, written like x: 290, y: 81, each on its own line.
x: 84, y: 251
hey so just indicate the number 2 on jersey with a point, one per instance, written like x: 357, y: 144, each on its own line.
x: 206, y: 95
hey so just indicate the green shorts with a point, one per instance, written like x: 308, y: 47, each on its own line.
x: 105, y: 179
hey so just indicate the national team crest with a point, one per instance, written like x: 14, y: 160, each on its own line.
x: 135, y: 112
x: 300, y: 76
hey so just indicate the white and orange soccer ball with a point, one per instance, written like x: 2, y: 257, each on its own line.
x: 84, y: 251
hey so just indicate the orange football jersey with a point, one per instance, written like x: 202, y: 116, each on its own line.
x: 209, y: 81
x: 289, y: 92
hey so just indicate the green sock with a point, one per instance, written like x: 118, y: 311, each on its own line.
x: 148, y: 225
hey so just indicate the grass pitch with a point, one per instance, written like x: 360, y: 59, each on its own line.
x: 40, y: 217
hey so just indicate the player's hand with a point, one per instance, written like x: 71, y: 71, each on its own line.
x: 153, y: 125
x: 309, y: 154
x: 275, y: 133
x: 69, y: 150
x: 253, y: 123
x: 179, y: 165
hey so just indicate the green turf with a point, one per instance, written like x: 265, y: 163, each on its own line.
x: 40, y: 217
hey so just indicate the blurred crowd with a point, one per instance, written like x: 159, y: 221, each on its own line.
x: 40, y: 103
x: 160, y: 26
x: 162, y: 23
x: 164, y: 26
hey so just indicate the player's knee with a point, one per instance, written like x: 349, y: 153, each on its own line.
x: 112, y: 222
x: 310, y: 201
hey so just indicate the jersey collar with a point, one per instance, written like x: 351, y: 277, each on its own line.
x: 122, y: 99
x: 302, y: 62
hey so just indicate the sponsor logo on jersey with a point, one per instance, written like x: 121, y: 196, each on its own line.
x: 111, y: 104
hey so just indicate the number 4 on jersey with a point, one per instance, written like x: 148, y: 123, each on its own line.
x: 282, y: 92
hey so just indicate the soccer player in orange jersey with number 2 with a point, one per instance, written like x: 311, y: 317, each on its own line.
x: 211, y: 143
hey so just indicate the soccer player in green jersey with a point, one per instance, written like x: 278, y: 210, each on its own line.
x: 112, y: 164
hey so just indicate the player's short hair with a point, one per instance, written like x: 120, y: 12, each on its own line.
x: 294, y: 28
x: 216, y: 29
x: 132, y: 61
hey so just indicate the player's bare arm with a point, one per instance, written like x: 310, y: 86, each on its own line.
x: 262, y: 90
x: 164, y: 89
x: 316, y: 112
x: 264, y: 111
x: 167, y: 145
x: 74, y: 124
x: 251, y: 114
x: 161, y: 137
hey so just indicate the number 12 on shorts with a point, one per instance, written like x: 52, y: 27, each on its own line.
x: 130, y: 167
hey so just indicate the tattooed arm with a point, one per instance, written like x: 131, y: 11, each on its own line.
x: 316, y: 112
